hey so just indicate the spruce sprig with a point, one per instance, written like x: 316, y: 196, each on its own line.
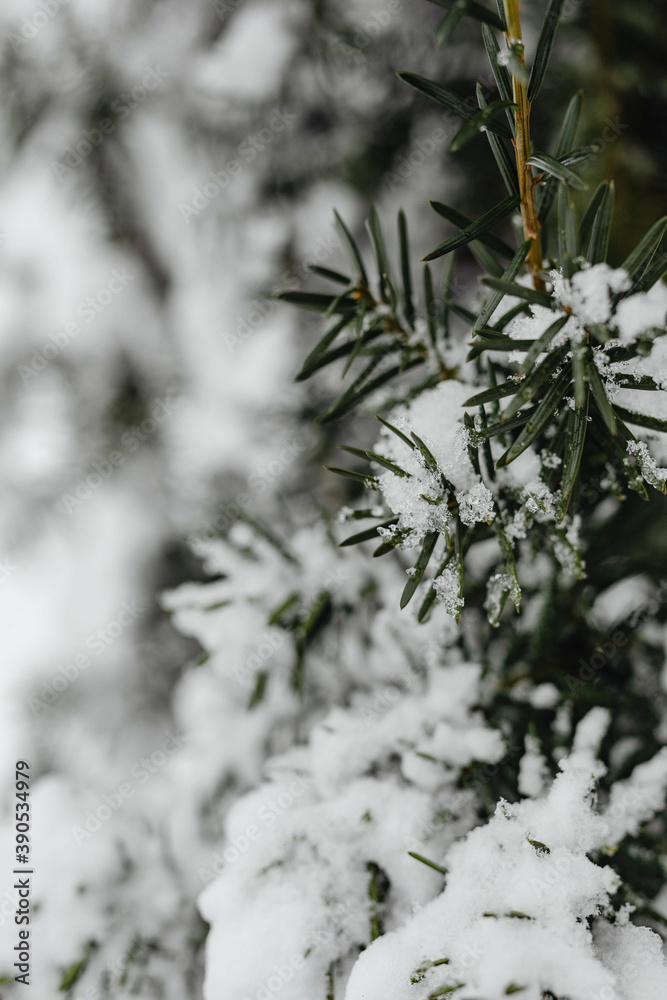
x: 560, y: 400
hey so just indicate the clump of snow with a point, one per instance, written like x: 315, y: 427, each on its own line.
x: 476, y: 505
x: 448, y: 590
x: 537, y: 321
x: 641, y: 312
x: 633, y: 955
x: 421, y: 498
x: 262, y: 32
x: 589, y: 297
x: 636, y: 800
x: 588, y: 293
x: 498, y: 588
x: 648, y: 466
x: 235, y: 620
x: 621, y: 600
x: 533, y: 770
x: 294, y: 895
x: 520, y: 894
x: 544, y: 696
x: 585, y: 298
x: 587, y: 738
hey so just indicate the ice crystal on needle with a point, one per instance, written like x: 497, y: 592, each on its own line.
x: 649, y: 468
x: 476, y: 504
x: 448, y: 589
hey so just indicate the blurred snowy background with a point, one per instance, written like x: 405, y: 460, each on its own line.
x: 166, y: 166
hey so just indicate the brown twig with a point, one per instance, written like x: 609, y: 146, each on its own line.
x: 529, y: 217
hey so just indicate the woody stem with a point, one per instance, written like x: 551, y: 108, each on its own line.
x: 529, y: 217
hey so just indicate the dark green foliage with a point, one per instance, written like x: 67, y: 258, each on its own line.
x: 555, y: 400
